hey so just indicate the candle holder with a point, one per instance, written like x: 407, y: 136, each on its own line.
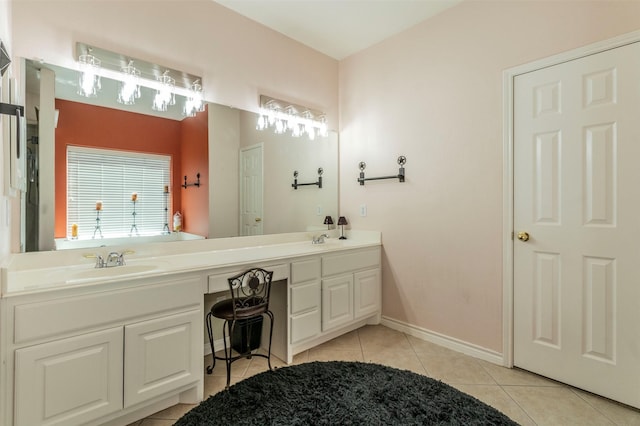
x: 133, y: 216
x: 97, y: 228
x: 165, y: 229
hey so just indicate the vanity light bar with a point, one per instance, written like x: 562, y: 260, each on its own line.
x: 287, y: 117
x: 112, y: 63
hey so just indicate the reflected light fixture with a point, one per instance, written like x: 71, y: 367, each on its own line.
x: 129, y: 87
x: 286, y: 117
x: 342, y: 221
x: 194, y: 102
x: 89, y: 79
x: 164, y: 95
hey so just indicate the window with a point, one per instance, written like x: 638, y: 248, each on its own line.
x: 112, y: 177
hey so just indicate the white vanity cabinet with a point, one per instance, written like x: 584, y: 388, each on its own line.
x: 351, y: 288
x: 109, y: 347
x: 305, y: 299
x: 88, y: 358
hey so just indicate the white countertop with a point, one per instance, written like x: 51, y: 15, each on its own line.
x: 45, y: 271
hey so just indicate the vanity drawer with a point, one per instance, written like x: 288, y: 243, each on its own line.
x: 349, y: 262
x: 219, y: 282
x: 58, y: 317
x: 305, y: 326
x: 305, y: 297
x: 305, y: 270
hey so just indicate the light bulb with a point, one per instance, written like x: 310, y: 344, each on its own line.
x: 279, y: 126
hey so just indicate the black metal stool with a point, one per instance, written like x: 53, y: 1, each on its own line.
x: 248, y: 303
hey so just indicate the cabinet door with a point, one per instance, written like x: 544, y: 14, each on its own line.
x: 160, y: 356
x: 70, y: 381
x: 337, y: 301
x: 366, y: 289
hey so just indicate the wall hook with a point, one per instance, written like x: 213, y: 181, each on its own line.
x: 402, y: 160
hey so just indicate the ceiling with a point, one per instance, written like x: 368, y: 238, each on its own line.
x: 338, y: 28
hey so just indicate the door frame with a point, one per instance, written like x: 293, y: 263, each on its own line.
x: 508, y: 77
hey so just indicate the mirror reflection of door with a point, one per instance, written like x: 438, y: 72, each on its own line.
x: 251, y: 191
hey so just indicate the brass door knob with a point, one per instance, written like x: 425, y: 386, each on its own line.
x: 523, y: 236
x: 258, y: 219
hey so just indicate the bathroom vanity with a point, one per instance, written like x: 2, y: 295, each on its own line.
x: 80, y: 345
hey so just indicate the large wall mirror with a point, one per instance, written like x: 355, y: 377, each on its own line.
x: 246, y: 175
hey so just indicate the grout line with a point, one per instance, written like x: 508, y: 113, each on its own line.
x: 517, y: 404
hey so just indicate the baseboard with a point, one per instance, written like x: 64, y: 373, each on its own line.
x: 445, y: 341
x: 420, y: 333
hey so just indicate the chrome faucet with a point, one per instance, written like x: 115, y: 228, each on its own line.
x: 113, y: 259
x: 99, y: 261
x: 319, y: 239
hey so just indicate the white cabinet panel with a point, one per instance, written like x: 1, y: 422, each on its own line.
x: 366, y: 291
x: 159, y: 356
x: 305, y: 270
x: 349, y: 262
x: 69, y: 381
x: 103, y: 308
x: 305, y: 297
x: 337, y: 301
x: 305, y: 326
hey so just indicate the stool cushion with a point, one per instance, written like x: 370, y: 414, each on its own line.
x: 224, y: 310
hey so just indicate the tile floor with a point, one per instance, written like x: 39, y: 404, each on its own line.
x: 525, y: 397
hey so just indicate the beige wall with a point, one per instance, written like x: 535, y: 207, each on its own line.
x: 224, y: 214
x: 434, y: 94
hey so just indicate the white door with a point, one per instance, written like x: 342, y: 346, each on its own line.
x: 577, y: 195
x: 251, y: 191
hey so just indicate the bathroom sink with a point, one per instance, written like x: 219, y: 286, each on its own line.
x: 115, y: 272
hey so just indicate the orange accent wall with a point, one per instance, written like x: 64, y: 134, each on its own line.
x: 195, y: 159
x: 98, y: 127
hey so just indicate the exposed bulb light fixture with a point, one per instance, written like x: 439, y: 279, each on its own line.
x: 89, y: 79
x: 194, y: 102
x: 95, y: 63
x: 129, y: 87
x: 285, y: 117
x: 164, y: 95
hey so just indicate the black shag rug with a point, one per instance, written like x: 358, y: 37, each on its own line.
x: 342, y: 393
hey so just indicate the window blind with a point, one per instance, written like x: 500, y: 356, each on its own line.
x: 112, y: 177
